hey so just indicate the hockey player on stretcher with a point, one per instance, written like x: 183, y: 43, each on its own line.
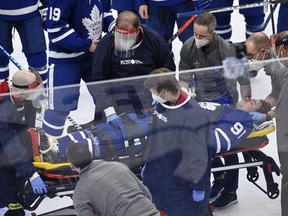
x: 229, y: 128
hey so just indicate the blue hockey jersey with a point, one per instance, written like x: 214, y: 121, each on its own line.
x: 73, y: 24
x: 18, y: 9
x: 230, y: 127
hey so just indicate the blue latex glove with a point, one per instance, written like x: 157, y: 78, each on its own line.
x: 198, y: 195
x: 256, y: 117
x: 38, y: 186
x: 111, y: 117
x: 142, y: 171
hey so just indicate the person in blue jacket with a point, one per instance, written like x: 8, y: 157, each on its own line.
x: 162, y: 15
x: 74, y: 29
x: 15, y: 161
x: 24, y: 16
x: 177, y: 170
x: 130, y: 50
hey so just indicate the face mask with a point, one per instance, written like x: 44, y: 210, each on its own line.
x: 255, y: 65
x: 158, y: 98
x: 201, y: 42
x: 125, y: 39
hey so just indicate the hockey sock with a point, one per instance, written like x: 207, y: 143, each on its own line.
x: 54, y: 122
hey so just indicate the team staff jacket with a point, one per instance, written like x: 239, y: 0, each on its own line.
x: 160, y: 2
x: 179, y: 140
x: 209, y: 84
x: 12, y: 152
x: 277, y: 71
x: 19, y: 10
x: 153, y: 52
x: 73, y: 24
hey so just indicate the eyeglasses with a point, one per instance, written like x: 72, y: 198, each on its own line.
x: 255, y: 56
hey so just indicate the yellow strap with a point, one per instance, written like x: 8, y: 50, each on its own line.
x: 49, y: 166
x: 262, y: 132
x: 15, y: 206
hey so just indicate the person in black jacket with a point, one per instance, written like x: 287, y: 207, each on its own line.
x: 128, y: 51
x: 15, y: 163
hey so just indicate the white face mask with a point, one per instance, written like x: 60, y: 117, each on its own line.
x: 125, y: 39
x: 255, y: 65
x: 157, y: 98
x: 201, y: 42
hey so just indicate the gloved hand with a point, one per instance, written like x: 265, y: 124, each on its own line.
x: 111, y: 117
x: 198, y: 195
x: 38, y: 185
x: 256, y: 117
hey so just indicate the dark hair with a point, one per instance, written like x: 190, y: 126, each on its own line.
x: 207, y: 19
x: 79, y: 155
x: 265, y: 107
x: 167, y: 82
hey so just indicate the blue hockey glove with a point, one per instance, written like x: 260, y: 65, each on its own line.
x: 38, y: 186
x: 111, y: 117
x: 198, y: 195
x: 256, y: 117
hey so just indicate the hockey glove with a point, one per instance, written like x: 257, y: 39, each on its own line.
x: 37, y: 184
x: 198, y: 195
x: 4, y: 88
x: 256, y: 117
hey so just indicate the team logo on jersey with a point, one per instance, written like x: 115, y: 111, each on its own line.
x: 160, y: 116
x: 93, y: 24
x: 130, y: 62
x: 209, y: 105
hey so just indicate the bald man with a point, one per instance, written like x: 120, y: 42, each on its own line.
x: 26, y: 92
x: 258, y: 50
x: 15, y: 162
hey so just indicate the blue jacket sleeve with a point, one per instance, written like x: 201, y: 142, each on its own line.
x: 16, y: 155
x: 108, y: 19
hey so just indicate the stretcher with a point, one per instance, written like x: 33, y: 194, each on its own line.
x: 254, y: 158
x: 61, y: 180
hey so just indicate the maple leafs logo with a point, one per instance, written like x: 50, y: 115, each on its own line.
x: 209, y: 105
x: 93, y: 25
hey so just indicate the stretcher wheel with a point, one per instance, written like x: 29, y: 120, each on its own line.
x: 254, y: 177
x: 273, y: 191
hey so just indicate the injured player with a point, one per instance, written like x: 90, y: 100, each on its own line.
x: 105, y: 140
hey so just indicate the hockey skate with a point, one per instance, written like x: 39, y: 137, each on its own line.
x: 48, y: 148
